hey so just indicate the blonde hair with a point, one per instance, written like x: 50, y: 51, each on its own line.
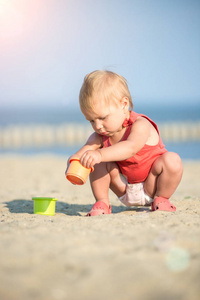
x: 103, y: 85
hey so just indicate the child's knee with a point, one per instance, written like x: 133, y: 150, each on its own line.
x: 173, y: 162
x: 112, y: 167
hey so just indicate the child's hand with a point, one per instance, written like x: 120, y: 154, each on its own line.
x: 90, y: 158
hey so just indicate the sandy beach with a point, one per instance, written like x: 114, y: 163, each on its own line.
x: 130, y: 254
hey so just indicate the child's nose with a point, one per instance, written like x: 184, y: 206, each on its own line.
x: 98, y: 124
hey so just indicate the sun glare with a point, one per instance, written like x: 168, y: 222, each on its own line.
x: 3, y: 7
x: 11, y: 19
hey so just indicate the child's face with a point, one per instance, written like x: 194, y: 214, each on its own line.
x: 107, y: 120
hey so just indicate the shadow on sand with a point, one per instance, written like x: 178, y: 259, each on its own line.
x: 26, y: 206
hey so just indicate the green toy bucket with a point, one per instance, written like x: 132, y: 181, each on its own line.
x: 44, y: 206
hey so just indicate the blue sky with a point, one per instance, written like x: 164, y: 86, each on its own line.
x: 47, y: 47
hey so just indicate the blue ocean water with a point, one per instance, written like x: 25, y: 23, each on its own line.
x: 60, y: 115
x: 66, y: 114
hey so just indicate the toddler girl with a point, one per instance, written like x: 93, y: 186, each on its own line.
x: 125, y: 149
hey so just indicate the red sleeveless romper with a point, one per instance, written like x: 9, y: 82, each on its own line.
x: 137, y: 168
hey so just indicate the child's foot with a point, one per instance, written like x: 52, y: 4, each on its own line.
x: 99, y: 208
x: 164, y: 204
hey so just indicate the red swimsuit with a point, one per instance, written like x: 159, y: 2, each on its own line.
x: 136, y: 168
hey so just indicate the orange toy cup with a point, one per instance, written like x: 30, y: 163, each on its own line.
x: 76, y: 173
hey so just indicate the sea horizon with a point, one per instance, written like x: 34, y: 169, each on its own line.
x: 71, y: 114
x: 62, y: 115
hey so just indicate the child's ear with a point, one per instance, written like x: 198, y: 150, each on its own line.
x: 125, y: 104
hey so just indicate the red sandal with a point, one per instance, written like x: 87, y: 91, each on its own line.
x: 164, y: 204
x: 99, y: 208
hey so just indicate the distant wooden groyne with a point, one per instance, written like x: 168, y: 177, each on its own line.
x: 74, y: 134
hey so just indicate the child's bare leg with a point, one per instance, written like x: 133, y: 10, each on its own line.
x: 165, y: 175
x: 105, y: 176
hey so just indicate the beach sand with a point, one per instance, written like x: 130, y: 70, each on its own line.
x: 130, y: 254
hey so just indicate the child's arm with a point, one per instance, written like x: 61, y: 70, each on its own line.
x: 94, y: 142
x: 141, y: 132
